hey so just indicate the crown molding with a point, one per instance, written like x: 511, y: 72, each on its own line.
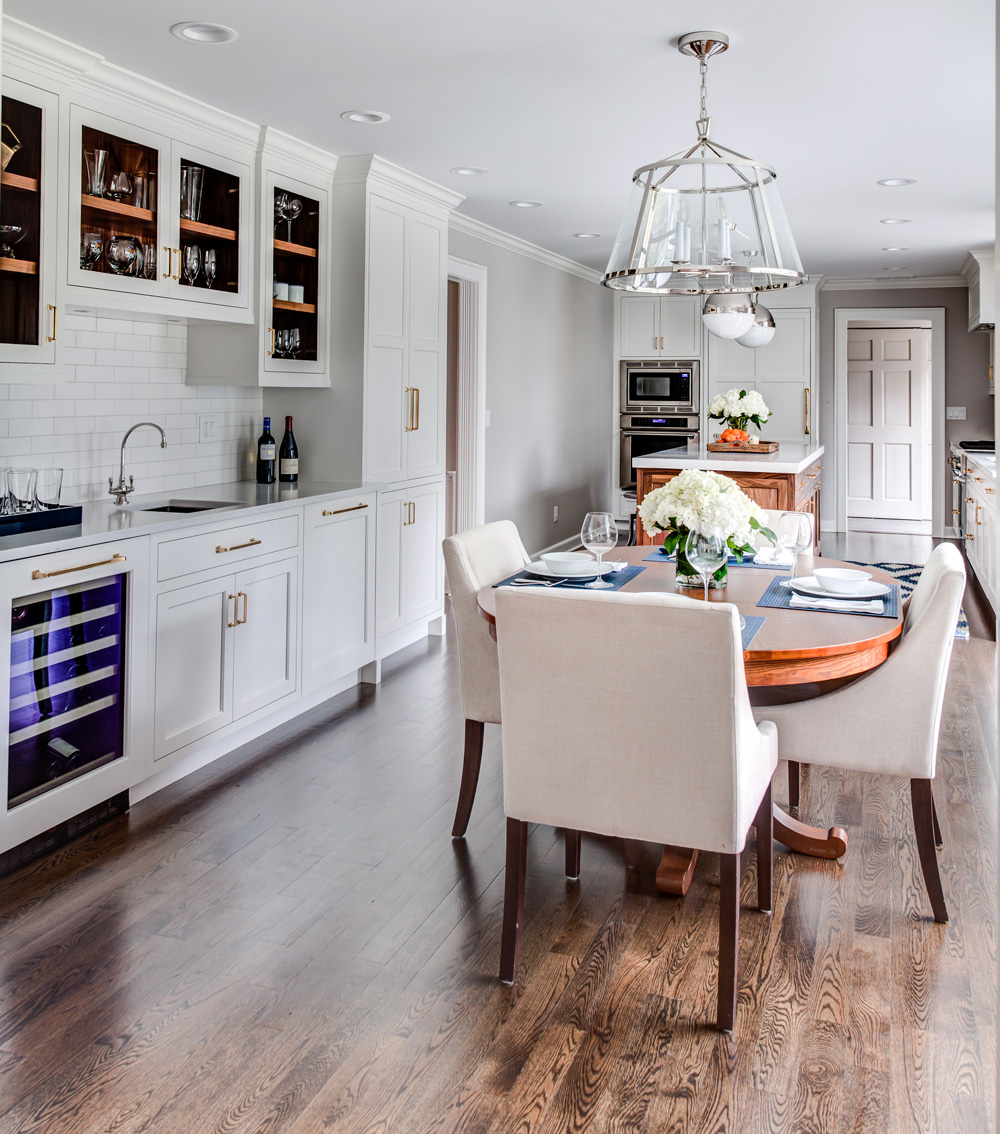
x: 291, y: 150
x: 375, y: 172
x: 461, y: 223
x: 871, y: 283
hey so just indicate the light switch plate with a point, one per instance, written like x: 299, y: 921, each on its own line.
x: 208, y: 428
x: 955, y: 413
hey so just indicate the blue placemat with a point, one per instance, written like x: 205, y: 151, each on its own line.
x: 659, y: 557
x: 753, y: 623
x: 781, y: 597
x: 617, y: 579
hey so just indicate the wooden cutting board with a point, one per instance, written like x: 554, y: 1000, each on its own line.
x: 742, y: 447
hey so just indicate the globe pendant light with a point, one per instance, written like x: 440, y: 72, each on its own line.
x: 728, y: 316
x: 762, y: 330
x: 705, y: 221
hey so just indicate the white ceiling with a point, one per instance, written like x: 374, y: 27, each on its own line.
x: 563, y: 99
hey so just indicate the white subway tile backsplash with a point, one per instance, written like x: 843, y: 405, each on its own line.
x: 122, y: 371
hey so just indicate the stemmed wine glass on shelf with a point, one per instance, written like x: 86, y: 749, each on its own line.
x: 209, y: 262
x: 598, y: 535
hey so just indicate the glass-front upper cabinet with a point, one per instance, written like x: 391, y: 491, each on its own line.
x: 28, y: 239
x: 160, y: 223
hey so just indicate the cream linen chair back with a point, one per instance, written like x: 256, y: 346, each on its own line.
x: 628, y: 715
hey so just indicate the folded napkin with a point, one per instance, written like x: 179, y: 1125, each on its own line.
x: 869, y: 606
x: 777, y: 556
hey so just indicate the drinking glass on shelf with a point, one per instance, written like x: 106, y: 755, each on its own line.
x: 209, y: 263
x: 48, y: 488
x: 794, y: 531
x: 149, y: 261
x: 192, y: 182
x: 190, y: 262
x: 121, y: 253
x: 4, y: 497
x: 121, y: 186
x: 139, y: 191
x: 706, y: 553
x: 91, y: 247
x: 21, y: 489
x: 97, y: 168
x: 598, y: 535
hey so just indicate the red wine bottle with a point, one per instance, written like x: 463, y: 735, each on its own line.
x: 265, y: 455
x: 288, y: 456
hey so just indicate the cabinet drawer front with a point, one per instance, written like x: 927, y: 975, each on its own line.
x: 223, y: 547
x: 806, y: 483
x: 331, y: 511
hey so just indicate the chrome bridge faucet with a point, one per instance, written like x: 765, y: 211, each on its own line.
x: 121, y: 490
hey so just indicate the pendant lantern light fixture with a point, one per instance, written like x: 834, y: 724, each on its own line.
x: 707, y: 221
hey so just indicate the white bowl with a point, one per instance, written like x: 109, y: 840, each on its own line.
x: 840, y: 580
x: 569, y: 562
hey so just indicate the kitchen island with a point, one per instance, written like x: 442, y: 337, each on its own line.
x: 785, y: 481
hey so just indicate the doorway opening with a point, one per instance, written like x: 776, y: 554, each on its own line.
x: 889, y: 412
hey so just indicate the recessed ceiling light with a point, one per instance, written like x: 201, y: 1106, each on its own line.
x: 893, y: 181
x: 366, y: 117
x: 895, y: 220
x: 586, y: 235
x: 900, y: 249
x: 525, y: 204
x: 893, y: 269
x: 469, y: 170
x: 200, y: 32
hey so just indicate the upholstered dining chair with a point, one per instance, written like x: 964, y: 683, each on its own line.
x: 474, y: 559
x: 627, y: 715
x: 888, y: 721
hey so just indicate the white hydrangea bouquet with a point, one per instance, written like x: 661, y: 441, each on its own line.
x: 739, y: 408
x: 705, y: 502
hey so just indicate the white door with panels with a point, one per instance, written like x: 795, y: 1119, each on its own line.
x: 888, y: 423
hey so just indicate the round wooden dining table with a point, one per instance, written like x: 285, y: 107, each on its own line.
x: 794, y: 655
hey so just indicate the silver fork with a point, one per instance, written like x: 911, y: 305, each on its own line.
x: 536, y: 583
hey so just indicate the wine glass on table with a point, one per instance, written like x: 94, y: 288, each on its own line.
x: 794, y: 532
x: 706, y: 553
x: 598, y: 535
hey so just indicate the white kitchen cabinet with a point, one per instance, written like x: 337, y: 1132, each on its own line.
x: 407, y: 342
x: 781, y: 371
x: 224, y: 647
x: 410, y: 568
x: 659, y: 326
x: 338, y: 589
x: 29, y: 333
x: 981, y: 530
x: 978, y: 271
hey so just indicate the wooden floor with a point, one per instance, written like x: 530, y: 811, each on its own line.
x: 292, y: 942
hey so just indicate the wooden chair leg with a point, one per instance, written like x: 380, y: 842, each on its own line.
x: 729, y: 933
x: 631, y: 854
x: 793, y: 783
x: 764, y: 825
x: 572, y: 854
x: 923, y: 823
x: 513, y: 898
x: 472, y: 760
x: 938, y: 838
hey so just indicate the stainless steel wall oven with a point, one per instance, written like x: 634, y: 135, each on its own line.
x: 642, y: 434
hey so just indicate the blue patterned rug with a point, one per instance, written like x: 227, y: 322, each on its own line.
x: 907, y: 574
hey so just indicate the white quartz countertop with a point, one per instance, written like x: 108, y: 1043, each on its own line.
x: 985, y: 462
x: 103, y: 519
x: 790, y: 458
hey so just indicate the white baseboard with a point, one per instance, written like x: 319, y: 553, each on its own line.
x: 400, y: 639
x: 888, y: 527
x: 828, y: 526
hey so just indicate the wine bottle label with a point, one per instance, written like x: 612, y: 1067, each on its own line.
x: 267, y: 452
x: 289, y: 466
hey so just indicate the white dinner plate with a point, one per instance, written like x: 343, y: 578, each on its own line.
x: 539, y: 568
x: 807, y: 585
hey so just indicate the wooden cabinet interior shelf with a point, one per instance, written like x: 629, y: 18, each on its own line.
x: 196, y: 228
x: 287, y: 305
x: 24, y: 267
x: 294, y: 249
x: 17, y: 181
x: 118, y: 208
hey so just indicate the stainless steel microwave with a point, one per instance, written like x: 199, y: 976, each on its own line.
x: 660, y: 386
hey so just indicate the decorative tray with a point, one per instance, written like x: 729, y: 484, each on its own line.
x: 742, y: 447
x: 22, y: 522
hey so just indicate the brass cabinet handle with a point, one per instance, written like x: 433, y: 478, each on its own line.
x: 235, y: 621
x: 408, y: 391
x: 270, y: 353
x: 416, y: 403
x: 178, y: 276
x: 241, y: 621
x: 969, y: 500
x: 52, y: 338
x: 978, y: 521
x: 410, y: 513
x: 237, y: 546
x: 991, y: 492
x: 978, y: 479
x: 654, y: 343
x: 970, y: 537
x: 806, y: 392
x: 413, y: 513
x: 956, y: 511
x: 341, y: 511
x: 170, y: 261
x: 116, y: 558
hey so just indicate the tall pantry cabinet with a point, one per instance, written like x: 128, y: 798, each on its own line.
x: 383, y: 419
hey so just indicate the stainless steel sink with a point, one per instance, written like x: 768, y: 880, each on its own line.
x: 184, y: 506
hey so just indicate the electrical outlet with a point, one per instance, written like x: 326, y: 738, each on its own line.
x: 555, y: 514
x: 955, y: 413
x: 208, y: 428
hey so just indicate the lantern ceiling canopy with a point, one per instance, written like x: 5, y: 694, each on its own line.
x: 706, y: 219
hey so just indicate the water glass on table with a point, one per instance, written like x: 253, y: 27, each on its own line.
x: 598, y: 535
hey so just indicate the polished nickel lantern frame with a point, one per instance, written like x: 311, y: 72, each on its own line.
x: 705, y: 220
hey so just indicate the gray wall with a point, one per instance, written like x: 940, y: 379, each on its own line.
x: 549, y: 343
x: 967, y: 359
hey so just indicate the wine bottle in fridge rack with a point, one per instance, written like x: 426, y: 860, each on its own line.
x: 288, y: 456
x: 265, y: 455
